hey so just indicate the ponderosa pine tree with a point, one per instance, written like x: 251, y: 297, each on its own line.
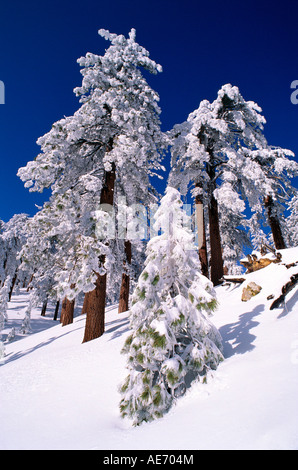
x: 216, y: 151
x: 172, y: 341
x: 114, y: 137
x: 201, y: 148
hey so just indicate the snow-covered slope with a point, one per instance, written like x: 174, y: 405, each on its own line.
x: 57, y: 393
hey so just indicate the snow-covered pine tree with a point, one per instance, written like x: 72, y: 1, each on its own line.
x: 49, y: 238
x: 172, y: 341
x: 2, y: 254
x: 235, y: 238
x: 222, y: 145
x: 291, y: 222
x: 201, y: 148
x: 114, y: 139
x: 12, y: 238
x: 266, y: 185
x: 4, y: 296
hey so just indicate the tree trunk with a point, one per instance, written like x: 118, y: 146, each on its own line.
x: 274, y: 224
x: 85, y: 303
x: 67, y: 311
x: 29, y: 283
x: 12, y: 286
x: 216, y: 259
x: 203, y: 255
x: 285, y: 290
x: 44, y: 308
x: 96, y: 302
x: 56, y: 310
x: 95, y: 319
x: 124, y: 290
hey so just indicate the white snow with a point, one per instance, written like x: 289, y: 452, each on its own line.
x: 57, y: 393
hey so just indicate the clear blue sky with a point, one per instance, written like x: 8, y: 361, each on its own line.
x: 200, y: 44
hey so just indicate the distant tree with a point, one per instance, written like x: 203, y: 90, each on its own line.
x: 12, y: 238
x: 234, y: 230
x: 2, y: 254
x: 266, y: 184
x: 42, y: 253
x: 291, y: 222
x: 172, y: 341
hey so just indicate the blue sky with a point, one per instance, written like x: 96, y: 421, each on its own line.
x: 200, y: 44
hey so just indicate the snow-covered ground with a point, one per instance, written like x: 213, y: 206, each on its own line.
x: 57, y: 393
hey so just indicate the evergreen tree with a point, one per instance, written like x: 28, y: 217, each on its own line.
x: 4, y: 296
x: 201, y: 150
x: 113, y: 141
x: 266, y: 184
x: 172, y: 341
x: 12, y: 238
x: 290, y: 227
x: 234, y: 229
x: 221, y: 153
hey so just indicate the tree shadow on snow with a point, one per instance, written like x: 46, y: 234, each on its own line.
x: 117, y: 327
x: 10, y: 357
x: 289, y: 305
x: 237, y: 337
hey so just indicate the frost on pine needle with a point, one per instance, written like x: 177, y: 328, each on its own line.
x: 173, y: 341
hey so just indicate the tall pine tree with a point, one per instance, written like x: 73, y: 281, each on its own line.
x: 221, y: 153
x: 113, y: 141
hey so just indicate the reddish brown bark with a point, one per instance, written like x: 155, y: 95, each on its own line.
x: 95, y: 319
x: 216, y: 261
x: 124, y: 290
x: 96, y: 299
x: 67, y: 312
x: 274, y: 224
x: 203, y: 254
